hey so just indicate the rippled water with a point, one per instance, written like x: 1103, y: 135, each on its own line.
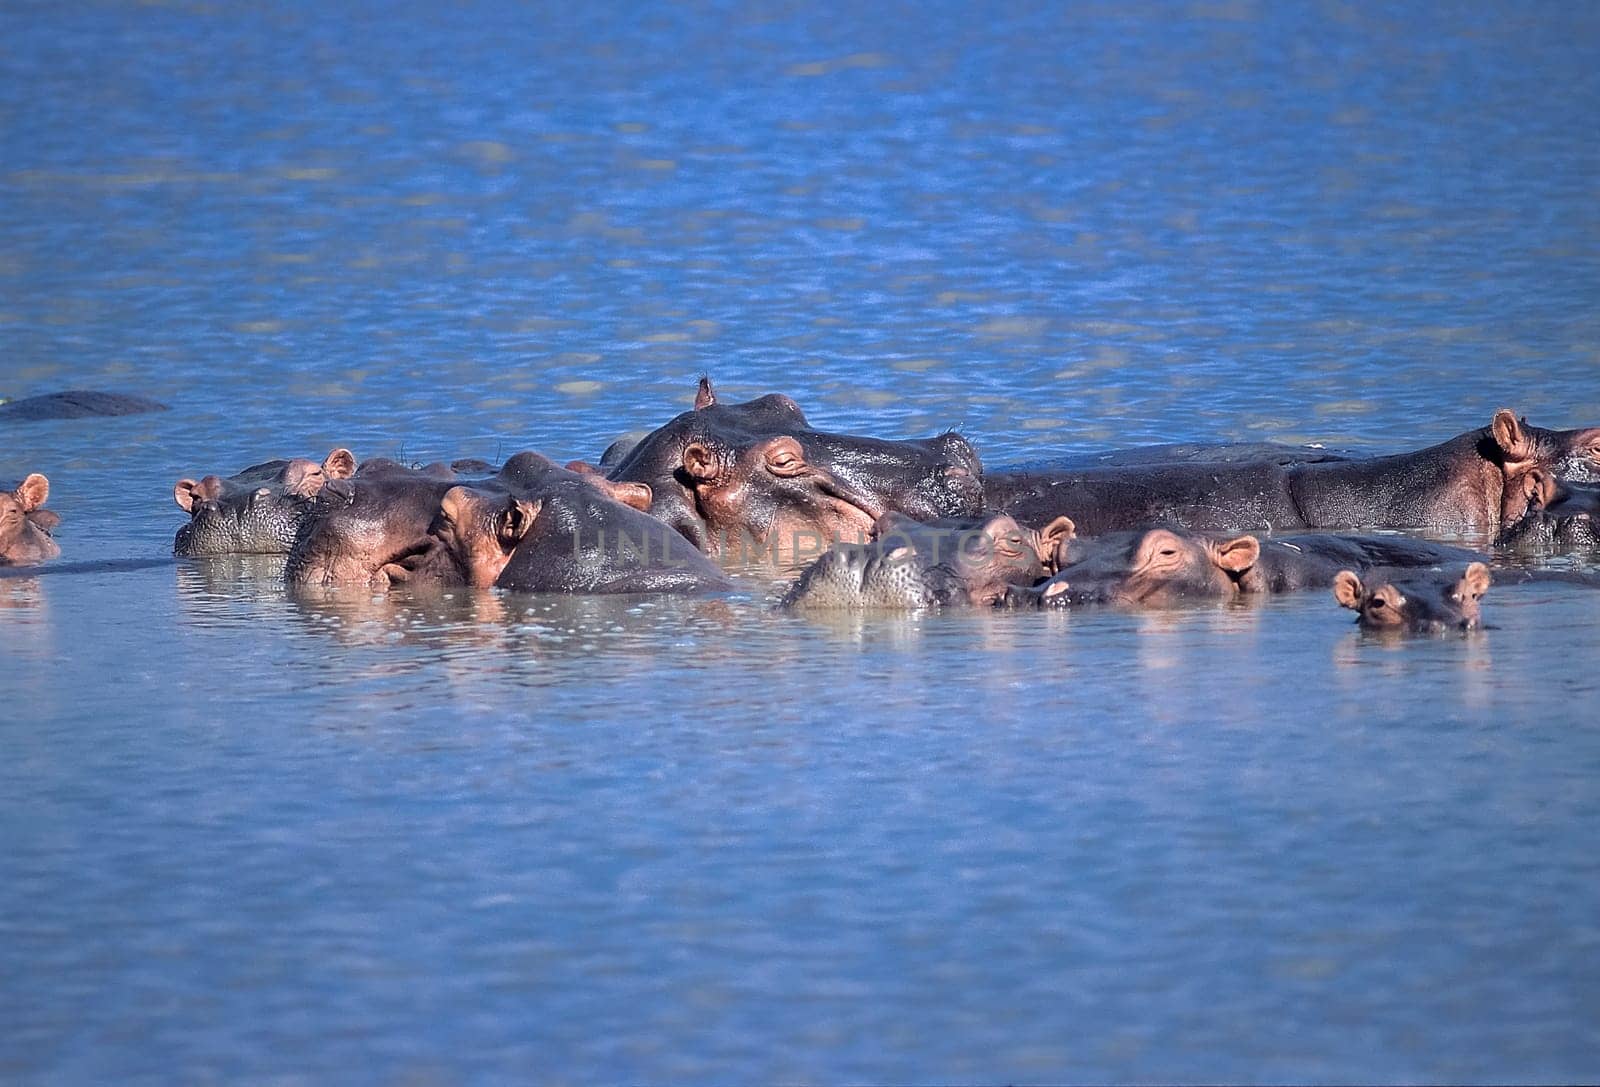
x: 689, y: 841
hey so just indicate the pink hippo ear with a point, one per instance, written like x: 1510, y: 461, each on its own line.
x: 704, y: 396
x: 303, y: 477
x: 1347, y: 589
x: 1476, y: 581
x: 188, y: 493
x: 339, y: 464
x: 32, y: 492
x: 1237, y: 555
x: 1511, y: 435
x: 635, y: 495
x: 1052, y: 539
x: 513, y: 521
x: 1539, y: 488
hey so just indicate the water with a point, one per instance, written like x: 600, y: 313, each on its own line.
x: 252, y: 838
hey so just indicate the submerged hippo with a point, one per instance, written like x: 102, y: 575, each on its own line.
x: 1562, y: 517
x: 1474, y: 481
x: 1422, y: 602
x: 259, y: 511
x: 911, y: 565
x: 533, y: 526
x: 25, y: 526
x: 754, y: 479
x: 74, y: 404
x: 1166, y: 565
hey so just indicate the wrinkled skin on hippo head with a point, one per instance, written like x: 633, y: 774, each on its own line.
x: 536, y: 527
x: 25, y: 526
x: 259, y: 511
x: 1147, y: 568
x: 910, y: 565
x: 1561, y: 517
x: 755, y: 480
x: 1420, y: 603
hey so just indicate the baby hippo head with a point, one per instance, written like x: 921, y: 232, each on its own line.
x: 910, y: 565
x: 258, y: 511
x: 25, y: 526
x: 1421, y: 603
x: 1150, y: 568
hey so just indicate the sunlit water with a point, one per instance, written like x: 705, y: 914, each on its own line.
x: 249, y: 837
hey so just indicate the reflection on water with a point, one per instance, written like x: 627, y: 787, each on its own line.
x: 462, y: 835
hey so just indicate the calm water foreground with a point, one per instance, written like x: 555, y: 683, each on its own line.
x: 253, y: 838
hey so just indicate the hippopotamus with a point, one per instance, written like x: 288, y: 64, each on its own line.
x: 74, y: 404
x: 25, y: 526
x: 754, y: 479
x: 910, y: 565
x: 1168, y: 564
x: 258, y: 511
x: 1431, y: 602
x: 1560, y: 517
x: 1474, y: 481
x: 533, y: 526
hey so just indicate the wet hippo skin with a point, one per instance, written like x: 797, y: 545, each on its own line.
x: 75, y: 404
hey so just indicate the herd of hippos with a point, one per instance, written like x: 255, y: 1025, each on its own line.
x: 896, y: 524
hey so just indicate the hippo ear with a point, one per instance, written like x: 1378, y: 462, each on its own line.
x: 1054, y: 588
x: 1476, y: 581
x: 1539, y: 488
x: 699, y: 462
x: 1053, y: 537
x: 339, y: 464
x: 1347, y: 589
x: 32, y: 492
x: 514, y: 520
x: 303, y: 477
x: 893, y: 521
x: 1237, y: 555
x: 583, y: 468
x: 188, y: 493
x: 1511, y: 435
x: 704, y: 397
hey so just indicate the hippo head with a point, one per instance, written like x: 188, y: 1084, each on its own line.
x: 1523, y: 452
x: 259, y: 511
x: 729, y: 476
x: 1153, y: 567
x: 1426, y: 602
x: 911, y: 565
x: 537, y: 527
x: 25, y: 525
x: 1560, y: 517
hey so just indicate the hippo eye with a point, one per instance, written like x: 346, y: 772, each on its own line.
x: 1379, y: 602
x: 785, y: 464
x: 1168, y: 552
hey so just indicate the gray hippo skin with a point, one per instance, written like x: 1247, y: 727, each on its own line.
x: 537, y: 527
x: 1165, y: 565
x: 755, y: 478
x: 1420, y: 602
x: 25, y: 525
x: 75, y: 404
x: 1474, y: 481
x: 258, y: 511
x: 911, y: 566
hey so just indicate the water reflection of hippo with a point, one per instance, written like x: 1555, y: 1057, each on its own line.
x: 909, y: 566
x: 25, y: 526
x: 75, y: 404
x: 1165, y: 565
x: 1476, y: 480
x: 755, y: 479
x: 1419, y: 602
x: 258, y: 511
x: 532, y: 526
